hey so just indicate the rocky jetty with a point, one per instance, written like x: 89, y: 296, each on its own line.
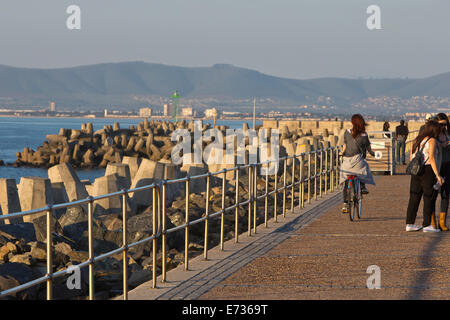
x: 85, y: 148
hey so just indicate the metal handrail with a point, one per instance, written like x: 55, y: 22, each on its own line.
x: 328, y: 170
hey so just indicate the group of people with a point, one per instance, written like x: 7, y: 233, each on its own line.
x: 433, y: 141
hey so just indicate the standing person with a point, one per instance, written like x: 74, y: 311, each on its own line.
x: 422, y: 185
x: 444, y: 139
x: 401, y: 134
x: 386, y: 127
x: 427, y: 118
x: 356, y: 145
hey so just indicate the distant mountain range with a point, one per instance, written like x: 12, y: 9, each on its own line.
x: 109, y: 84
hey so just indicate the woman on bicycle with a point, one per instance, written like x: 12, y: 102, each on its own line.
x: 422, y: 185
x: 444, y: 139
x: 356, y: 145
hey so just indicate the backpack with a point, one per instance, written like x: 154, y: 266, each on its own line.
x: 416, y: 166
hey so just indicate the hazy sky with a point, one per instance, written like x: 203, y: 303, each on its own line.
x: 288, y: 38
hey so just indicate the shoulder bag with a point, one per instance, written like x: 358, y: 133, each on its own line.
x: 415, y: 166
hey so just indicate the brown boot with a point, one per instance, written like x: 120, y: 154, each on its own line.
x: 433, y: 220
x: 442, y: 219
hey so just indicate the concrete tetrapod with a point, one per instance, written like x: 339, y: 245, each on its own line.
x: 9, y: 199
x: 133, y: 163
x: 123, y: 172
x: 34, y: 193
x: 111, y: 205
x: 64, y: 172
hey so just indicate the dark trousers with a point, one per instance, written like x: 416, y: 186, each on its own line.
x: 445, y: 189
x: 422, y: 186
x: 401, y: 151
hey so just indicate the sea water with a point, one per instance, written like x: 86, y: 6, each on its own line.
x: 18, y: 133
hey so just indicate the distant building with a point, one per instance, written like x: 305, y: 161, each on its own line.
x: 106, y: 113
x: 231, y: 113
x: 168, y: 109
x: 145, y: 112
x: 187, y: 112
x: 52, y: 106
x: 209, y: 113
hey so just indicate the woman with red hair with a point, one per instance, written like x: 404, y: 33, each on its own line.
x: 356, y: 146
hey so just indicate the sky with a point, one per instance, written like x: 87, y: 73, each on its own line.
x: 300, y: 39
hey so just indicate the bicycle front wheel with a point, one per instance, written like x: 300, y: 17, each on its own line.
x: 351, y: 202
x: 359, y: 200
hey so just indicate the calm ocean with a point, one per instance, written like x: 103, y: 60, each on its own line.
x: 18, y: 133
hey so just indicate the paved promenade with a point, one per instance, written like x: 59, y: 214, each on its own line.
x: 328, y: 259
x: 318, y: 253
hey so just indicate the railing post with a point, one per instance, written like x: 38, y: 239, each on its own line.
x: 205, y: 251
x: 309, y: 177
x: 236, y: 215
x: 326, y: 171
x: 125, y: 244
x: 332, y: 170
x: 222, y: 222
x: 284, y: 187
x: 255, y: 196
x: 49, y: 254
x: 154, y: 244
x: 250, y: 199
x: 186, y: 230
x: 275, y: 195
x: 294, y: 158
x: 337, y: 167
x: 321, y: 173
x: 91, y: 249
x: 301, y: 188
x: 315, y: 175
x: 266, y: 197
x: 164, y: 236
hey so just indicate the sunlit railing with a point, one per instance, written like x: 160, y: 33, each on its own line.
x: 314, y: 173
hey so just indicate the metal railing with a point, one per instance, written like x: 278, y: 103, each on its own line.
x: 321, y: 176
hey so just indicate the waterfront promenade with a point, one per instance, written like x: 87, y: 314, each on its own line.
x: 318, y: 253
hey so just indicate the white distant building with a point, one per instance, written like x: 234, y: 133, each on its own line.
x: 52, y: 106
x: 187, y: 112
x: 145, y: 112
x: 106, y: 113
x: 209, y: 113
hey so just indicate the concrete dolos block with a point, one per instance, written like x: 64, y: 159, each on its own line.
x: 75, y: 189
x: 104, y: 185
x: 9, y: 199
x: 133, y: 163
x: 34, y: 193
x: 123, y: 172
x: 149, y: 170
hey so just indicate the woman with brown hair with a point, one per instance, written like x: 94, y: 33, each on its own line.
x: 356, y: 146
x: 423, y: 184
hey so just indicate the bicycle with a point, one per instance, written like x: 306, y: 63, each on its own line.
x: 354, y: 197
